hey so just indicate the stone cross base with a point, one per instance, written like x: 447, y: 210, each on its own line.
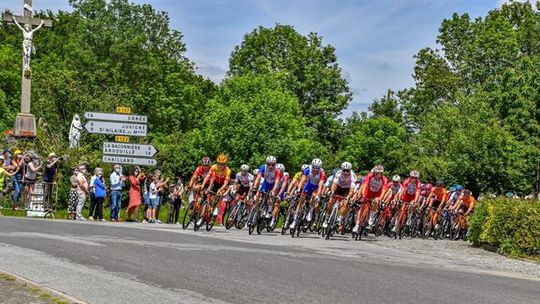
x: 25, y: 125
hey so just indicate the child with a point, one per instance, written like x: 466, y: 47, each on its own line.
x: 152, y: 195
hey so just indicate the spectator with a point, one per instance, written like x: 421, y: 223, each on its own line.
x: 82, y: 190
x: 3, y: 174
x: 135, y: 179
x: 161, y: 185
x: 146, y: 195
x: 33, y: 164
x: 6, y: 160
x: 100, y: 192
x: 175, y: 200
x: 73, y: 198
x: 51, y: 166
x: 117, y: 183
x: 91, y: 192
x: 17, y: 167
x: 152, y: 195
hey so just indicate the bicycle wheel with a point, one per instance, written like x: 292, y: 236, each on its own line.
x: 427, y: 230
x: 199, y: 217
x: 186, y: 220
x: 252, y: 220
x: 380, y: 224
x: 241, y: 218
x: 230, y: 217
x: 287, y: 221
x: 49, y: 215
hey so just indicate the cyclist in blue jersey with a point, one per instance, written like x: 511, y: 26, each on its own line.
x: 271, y: 175
x: 312, y: 183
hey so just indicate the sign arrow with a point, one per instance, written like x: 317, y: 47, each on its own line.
x: 126, y: 149
x: 116, y: 117
x: 114, y: 159
x: 115, y: 128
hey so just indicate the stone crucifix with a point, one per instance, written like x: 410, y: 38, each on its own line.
x: 25, y: 123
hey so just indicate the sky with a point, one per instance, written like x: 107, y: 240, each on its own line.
x: 375, y: 40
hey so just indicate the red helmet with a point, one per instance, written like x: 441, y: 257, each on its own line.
x: 428, y: 187
x: 205, y: 161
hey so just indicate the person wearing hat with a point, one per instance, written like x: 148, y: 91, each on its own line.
x: 51, y: 166
x: 3, y: 174
x: 17, y: 164
x: 6, y: 159
x: 32, y: 167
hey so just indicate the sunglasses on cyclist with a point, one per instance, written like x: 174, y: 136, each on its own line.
x: 346, y: 171
x: 271, y: 165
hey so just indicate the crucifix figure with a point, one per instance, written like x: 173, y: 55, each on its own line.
x: 25, y: 123
x: 28, y: 33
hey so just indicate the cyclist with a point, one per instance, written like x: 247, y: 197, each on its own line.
x: 296, y: 180
x: 341, y: 185
x: 465, y: 203
x: 410, y: 192
x: 282, y: 186
x: 371, y: 189
x: 244, y: 181
x: 312, y: 183
x: 271, y: 176
x: 198, y: 177
x: 219, y: 176
x: 391, y: 189
x: 328, y: 183
x: 436, y: 201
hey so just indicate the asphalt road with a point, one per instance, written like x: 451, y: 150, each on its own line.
x: 137, y: 263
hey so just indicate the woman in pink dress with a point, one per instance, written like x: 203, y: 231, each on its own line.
x: 135, y: 194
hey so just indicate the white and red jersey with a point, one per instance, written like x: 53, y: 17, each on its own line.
x: 374, y: 185
x: 344, y: 180
x: 410, y: 188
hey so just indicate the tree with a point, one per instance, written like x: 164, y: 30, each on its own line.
x: 375, y: 141
x: 310, y: 68
x: 250, y: 117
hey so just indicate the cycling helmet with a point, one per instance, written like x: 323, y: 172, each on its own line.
x: 458, y: 187
x: 423, y: 193
x: 452, y: 189
x: 271, y: 160
x: 467, y: 192
x: 255, y: 171
x: 280, y: 167
x: 304, y: 167
x: 509, y: 194
x: 244, y: 167
x: 396, y: 178
x: 316, y: 163
x: 378, y: 169
x: 428, y: 187
x: 205, y: 161
x: 346, y: 166
x: 414, y: 173
x: 439, y: 183
x: 222, y: 159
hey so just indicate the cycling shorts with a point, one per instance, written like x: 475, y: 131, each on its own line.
x: 216, y: 187
x: 242, y: 191
x: 436, y: 203
x: 342, y: 191
x: 309, y: 189
x: 408, y: 198
x: 265, y: 187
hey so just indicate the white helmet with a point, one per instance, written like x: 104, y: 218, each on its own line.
x: 244, y: 167
x: 280, y: 167
x: 316, y: 163
x: 346, y: 166
x: 415, y: 173
x: 304, y: 167
x: 255, y: 171
x: 396, y: 178
x: 378, y: 169
x: 271, y: 160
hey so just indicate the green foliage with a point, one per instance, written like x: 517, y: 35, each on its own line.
x: 512, y: 225
x: 375, y: 141
x: 309, y: 68
x: 250, y: 118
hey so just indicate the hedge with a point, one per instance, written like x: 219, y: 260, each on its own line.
x: 510, y: 224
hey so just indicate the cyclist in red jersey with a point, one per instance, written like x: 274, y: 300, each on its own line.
x: 391, y: 190
x: 410, y: 190
x: 198, y: 177
x: 371, y: 189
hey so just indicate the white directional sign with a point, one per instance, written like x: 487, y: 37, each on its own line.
x: 116, y: 117
x: 115, y: 128
x: 114, y: 159
x: 127, y: 149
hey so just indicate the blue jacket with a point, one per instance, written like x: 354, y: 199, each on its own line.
x: 99, y: 188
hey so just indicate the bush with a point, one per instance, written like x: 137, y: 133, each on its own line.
x: 512, y: 225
